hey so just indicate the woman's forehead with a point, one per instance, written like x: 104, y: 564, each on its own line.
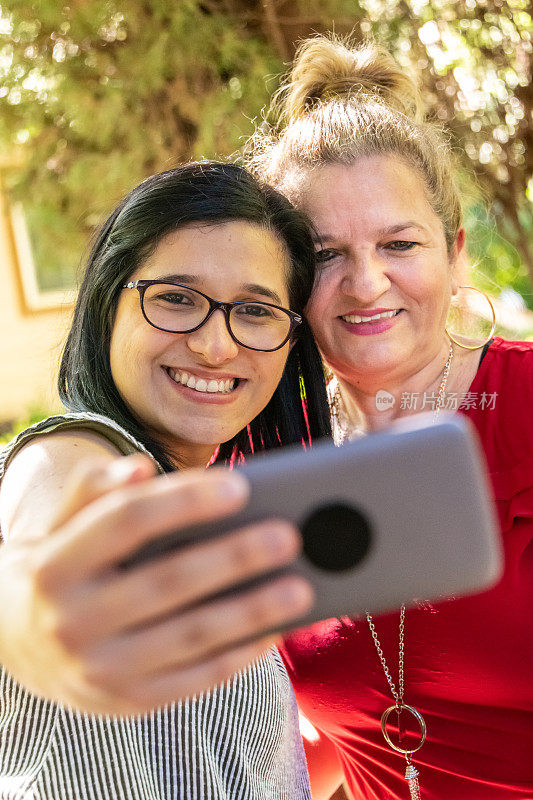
x: 375, y: 192
x: 226, y: 254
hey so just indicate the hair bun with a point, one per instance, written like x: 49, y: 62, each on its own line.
x: 326, y: 68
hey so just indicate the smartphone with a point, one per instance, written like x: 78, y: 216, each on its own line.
x: 397, y: 516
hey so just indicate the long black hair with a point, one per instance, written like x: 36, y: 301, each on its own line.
x: 209, y: 192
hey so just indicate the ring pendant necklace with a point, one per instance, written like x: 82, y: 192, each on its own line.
x: 411, y: 772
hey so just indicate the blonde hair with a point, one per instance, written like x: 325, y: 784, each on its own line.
x: 342, y: 102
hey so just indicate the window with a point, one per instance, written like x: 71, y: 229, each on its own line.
x: 46, y: 266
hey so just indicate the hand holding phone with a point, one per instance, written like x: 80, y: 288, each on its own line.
x: 396, y: 516
x: 114, y: 641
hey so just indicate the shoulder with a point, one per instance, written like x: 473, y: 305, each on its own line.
x: 37, y: 465
x: 504, y: 381
x: 72, y: 432
x: 502, y: 394
x: 513, y: 348
x: 508, y: 363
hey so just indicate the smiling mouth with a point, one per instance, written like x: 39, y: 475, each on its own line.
x: 203, y: 385
x: 356, y: 319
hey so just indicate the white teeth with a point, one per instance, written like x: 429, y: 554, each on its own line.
x: 201, y: 384
x: 355, y: 318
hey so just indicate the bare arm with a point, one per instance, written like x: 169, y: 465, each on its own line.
x: 34, y: 486
x: 77, y: 629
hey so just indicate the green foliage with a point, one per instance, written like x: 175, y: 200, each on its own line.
x: 57, y: 243
x: 95, y: 96
x: 33, y: 416
x: 475, y: 57
x: 98, y: 95
x: 496, y: 261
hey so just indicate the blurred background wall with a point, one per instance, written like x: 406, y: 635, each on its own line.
x: 97, y: 94
x: 32, y: 324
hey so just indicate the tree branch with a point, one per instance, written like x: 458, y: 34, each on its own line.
x: 274, y: 29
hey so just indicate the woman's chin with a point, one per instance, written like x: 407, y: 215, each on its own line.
x: 367, y: 365
x: 200, y: 434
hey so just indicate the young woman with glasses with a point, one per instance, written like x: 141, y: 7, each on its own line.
x: 187, y: 344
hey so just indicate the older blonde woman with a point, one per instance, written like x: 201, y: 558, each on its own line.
x: 354, y: 152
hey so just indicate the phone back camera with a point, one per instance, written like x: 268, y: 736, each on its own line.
x: 336, y: 537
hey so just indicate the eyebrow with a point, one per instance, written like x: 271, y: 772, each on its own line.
x: 401, y: 226
x: 253, y: 288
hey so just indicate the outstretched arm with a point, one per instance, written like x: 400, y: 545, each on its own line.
x: 76, y: 628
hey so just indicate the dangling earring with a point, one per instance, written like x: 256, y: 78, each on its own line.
x: 492, y: 329
x: 334, y: 395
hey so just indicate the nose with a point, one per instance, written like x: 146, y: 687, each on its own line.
x: 365, y: 277
x: 213, y: 341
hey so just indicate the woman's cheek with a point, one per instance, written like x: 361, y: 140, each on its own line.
x: 314, y: 311
x: 274, y: 373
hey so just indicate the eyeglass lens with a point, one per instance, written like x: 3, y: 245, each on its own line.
x: 179, y: 309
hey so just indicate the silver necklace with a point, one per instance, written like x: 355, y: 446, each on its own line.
x: 411, y: 772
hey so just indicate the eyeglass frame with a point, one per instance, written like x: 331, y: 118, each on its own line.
x: 214, y: 305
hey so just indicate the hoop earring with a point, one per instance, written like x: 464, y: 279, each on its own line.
x: 492, y: 329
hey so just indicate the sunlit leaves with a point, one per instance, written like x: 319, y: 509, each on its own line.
x: 100, y: 93
x: 475, y: 60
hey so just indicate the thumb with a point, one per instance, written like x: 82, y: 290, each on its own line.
x: 93, y: 478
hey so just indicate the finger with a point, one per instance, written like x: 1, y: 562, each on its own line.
x: 114, y: 526
x: 139, y: 696
x: 180, y: 683
x: 202, y: 632
x: 94, y: 478
x: 181, y: 579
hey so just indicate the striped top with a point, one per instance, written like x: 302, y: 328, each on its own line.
x: 238, y: 741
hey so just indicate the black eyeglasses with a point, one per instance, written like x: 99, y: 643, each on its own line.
x: 176, y: 308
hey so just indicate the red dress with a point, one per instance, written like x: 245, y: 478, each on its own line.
x: 468, y: 662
